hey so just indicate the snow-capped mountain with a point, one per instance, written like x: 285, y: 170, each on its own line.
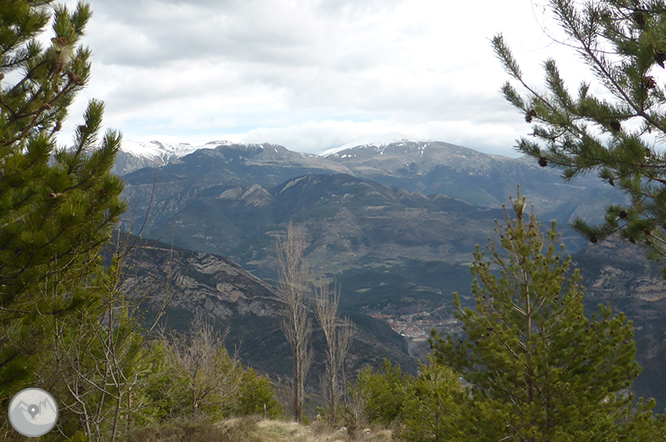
x: 153, y: 150
x: 156, y: 150
x: 405, y: 148
x: 134, y: 155
x: 376, y: 142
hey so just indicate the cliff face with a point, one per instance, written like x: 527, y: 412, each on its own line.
x: 182, y: 283
x: 196, y: 282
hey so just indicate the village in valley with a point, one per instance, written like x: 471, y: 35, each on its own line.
x: 417, y: 326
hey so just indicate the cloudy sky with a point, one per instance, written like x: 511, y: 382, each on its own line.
x: 314, y: 74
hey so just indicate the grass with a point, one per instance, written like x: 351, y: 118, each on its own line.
x: 250, y: 429
x: 285, y: 431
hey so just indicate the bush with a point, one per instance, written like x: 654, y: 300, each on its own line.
x: 433, y: 406
x: 256, y: 396
x: 383, y: 393
x: 198, y: 376
x: 197, y: 429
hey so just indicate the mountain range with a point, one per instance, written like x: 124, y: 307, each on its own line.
x: 371, y: 212
x: 427, y: 167
x: 393, y: 224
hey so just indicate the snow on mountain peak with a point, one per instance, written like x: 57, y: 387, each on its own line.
x: 156, y: 149
x: 214, y: 144
x: 378, y: 143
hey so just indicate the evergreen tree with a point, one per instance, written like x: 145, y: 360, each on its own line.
x: 615, y: 134
x: 435, y: 407
x: 57, y: 206
x: 538, y: 367
x: 383, y: 392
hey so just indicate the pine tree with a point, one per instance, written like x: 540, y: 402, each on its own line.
x: 382, y: 392
x: 435, y: 407
x: 623, y: 42
x: 57, y: 206
x: 537, y: 365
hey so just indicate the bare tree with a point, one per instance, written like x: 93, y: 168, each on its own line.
x: 339, y: 336
x: 99, y: 360
x: 294, y: 285
x: 213, y: 376
x: 100, y: 356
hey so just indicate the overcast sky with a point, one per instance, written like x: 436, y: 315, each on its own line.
x: 313, y: 74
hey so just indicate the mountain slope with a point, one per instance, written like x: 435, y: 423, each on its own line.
x: 351, y: 224
x: 233, y: 199
x: 428, y: 167
x: 184, y: 283
x: 487, y: 180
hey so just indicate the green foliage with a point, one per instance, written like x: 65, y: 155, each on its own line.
x: 102, y: 363
x: 199, y: 377
x: 623, y: 44
x: 433, y: 406
x: 383, y: 392
x: 167, y: 394
x: 256, y: 396
x: 57, y: 207
x: 643, y: 425
x: 535, y: 362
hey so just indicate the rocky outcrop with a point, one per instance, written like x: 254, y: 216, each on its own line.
x: 182, y: 283
x: 196, y: 282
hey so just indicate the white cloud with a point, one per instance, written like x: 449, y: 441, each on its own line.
x: 310, y: 74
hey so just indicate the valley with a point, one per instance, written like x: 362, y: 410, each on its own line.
x: 417, y: 326
x: 392, y: 224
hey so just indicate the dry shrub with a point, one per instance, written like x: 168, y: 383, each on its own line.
x: 198, y: 429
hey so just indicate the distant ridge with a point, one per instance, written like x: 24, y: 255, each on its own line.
x: 384, y: 140
x: 135, y: 155
x: 162, y: 152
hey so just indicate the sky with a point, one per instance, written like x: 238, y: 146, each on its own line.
x: 314, y: 74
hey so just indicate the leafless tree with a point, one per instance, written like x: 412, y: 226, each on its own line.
x: 339, y: 336
x: 214, y: 377
x: 294, y: 287
x: 98, y: 359
x: 99, y: 356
